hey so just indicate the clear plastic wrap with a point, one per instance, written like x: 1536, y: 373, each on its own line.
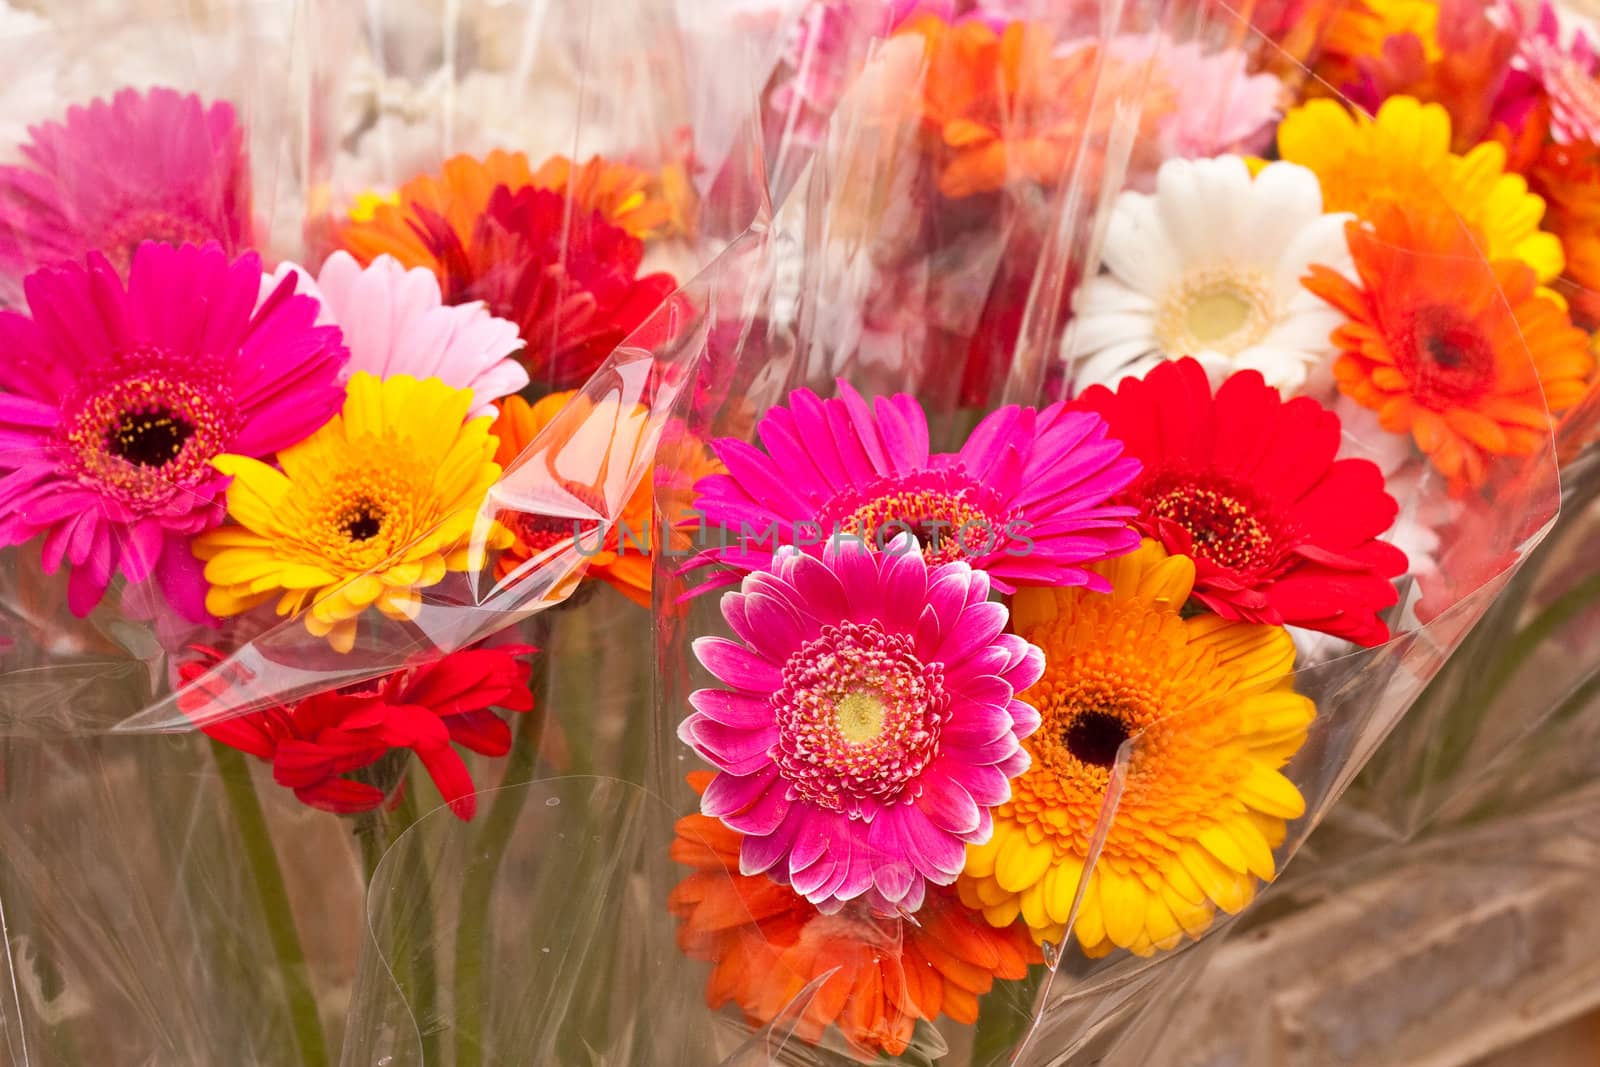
x: 883, y: 199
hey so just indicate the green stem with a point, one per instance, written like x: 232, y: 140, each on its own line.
x: 477, y: 887
x: 1555, y: 615
x: 274, y: 896
x: 1004, y: 1018
x: 421, y: 963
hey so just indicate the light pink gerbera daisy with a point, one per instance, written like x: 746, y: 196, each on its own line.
x: 395, y: 321
x: 118, y: 397
x: 1222, y: 107
x: 1026, y: 498
x: 142, y: 166
x: 869, y: 724
x: 1563, y: 62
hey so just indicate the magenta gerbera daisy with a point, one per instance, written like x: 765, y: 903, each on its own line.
x: 142, y: 166
x: 869, y: 724
x: 117, y: 398
x: 1026, y: 499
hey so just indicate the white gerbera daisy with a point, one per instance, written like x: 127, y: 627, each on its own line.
x: 1210, y: 267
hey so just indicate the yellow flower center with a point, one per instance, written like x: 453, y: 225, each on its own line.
x: 1216, y: 310
x: 370, y: 511
x: 860, y: 717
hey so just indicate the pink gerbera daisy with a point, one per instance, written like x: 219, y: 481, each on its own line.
x: 117, y: 398
x: 156, y: 166
x: 869, y: 724
x: 1026, y: 498
x: 395, y: 321
x: 1560, y: 61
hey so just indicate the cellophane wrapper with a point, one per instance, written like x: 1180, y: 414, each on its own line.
x: 140, y: 921
x: 540, y: 931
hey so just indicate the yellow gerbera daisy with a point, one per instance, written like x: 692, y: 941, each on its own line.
x: 1208, y: 706
x: 1403, y: 155
x: 379, y: 503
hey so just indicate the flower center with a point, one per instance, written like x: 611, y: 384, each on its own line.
x: 1095, y: 737
x: 370, y: 509
x: 1221, y: 523
x: 859, y: 718
x: 147, y: 437
x: 363, y: 521
x: 167, y: 225
x: 951, y: 517
x: 1449, y: 361
x: 1222, y: 310
x: 1089, y: 718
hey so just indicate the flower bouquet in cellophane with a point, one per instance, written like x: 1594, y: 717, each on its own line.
x: 268, y: 376
x: 1116, y: 436
x: 881, y: 524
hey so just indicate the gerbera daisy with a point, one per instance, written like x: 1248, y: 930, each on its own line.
x: 1464, y: 69
x: 598, y: 447
x: 878, y: 975
x: 1025, y: 499
x: 377, y: 505
x: 1465, y: 356
x: 1220, y: 106
x: 1007, y: 105
x: 119, y: 395
x: 388, y: 225
x: 1558, y: 63
x: 1403, y: 156
x: 395, y: 322
x: 869, y: 723
x: 1209, y: 716
x: 625, y: 196
x: 1210, y: 267
x: 142, y: 166
x: 570, y: 282
x: 1568, y: 177
x: 1247, y: 484
x: 317, y: 744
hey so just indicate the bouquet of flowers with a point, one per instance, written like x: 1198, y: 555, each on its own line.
x: 920, y: 508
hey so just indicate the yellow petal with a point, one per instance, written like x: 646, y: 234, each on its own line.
x: 1123, y: 902
x: 1021, y: 864
x: 1270, y: 793
x: 1229, y: 890
x: 1061, y: 888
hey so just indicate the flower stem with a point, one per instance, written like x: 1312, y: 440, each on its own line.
x: 421, y: 963
x: 477, y: 887
x: 262, y: 859
x: 1004, y: 1018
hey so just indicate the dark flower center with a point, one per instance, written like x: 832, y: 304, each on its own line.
x: 1095, y: 737
x: 362, y: 522
x: 151, y: 438
x: 1225, y: 526
x: 1451, y: 361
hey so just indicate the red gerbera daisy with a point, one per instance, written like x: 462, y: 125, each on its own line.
x: 1246, y: 484
x: 570, y: 281
x: 315, y: 743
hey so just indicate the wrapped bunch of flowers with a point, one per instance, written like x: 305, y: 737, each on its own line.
x: 919, y: 507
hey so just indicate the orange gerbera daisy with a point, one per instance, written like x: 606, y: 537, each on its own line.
x: 589, y: 459
x: 459, y: 194
x: 879, y: 976
x: 596, y: 447
x: 1463, y: 355
x: 1005, y: 105
x: 1568, y: 177
x: 626, y: 196
x: 1209, y: 715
